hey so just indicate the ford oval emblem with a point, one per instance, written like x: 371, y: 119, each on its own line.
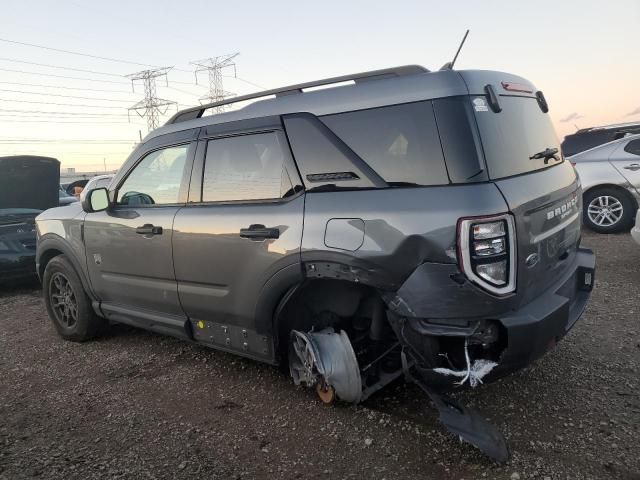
x: 532, y: 260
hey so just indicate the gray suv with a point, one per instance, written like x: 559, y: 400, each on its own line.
x: 409, y: 222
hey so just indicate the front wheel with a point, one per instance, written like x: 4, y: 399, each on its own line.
x: 608, y: 210
x: 68, y: 305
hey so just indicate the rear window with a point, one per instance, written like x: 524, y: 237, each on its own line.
x: 579, y: 142
x: 513, y: 136
x: 399, y: 142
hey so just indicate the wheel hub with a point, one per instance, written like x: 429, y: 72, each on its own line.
x: 63, y: 300
x: 605, y: 211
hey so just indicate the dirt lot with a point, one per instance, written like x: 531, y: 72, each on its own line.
x: 139, y: 405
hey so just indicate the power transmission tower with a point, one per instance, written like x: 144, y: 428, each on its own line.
x: 214, y: 66
x: 151, y: 106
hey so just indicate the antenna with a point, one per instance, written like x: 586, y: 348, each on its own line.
x: 449, y: 65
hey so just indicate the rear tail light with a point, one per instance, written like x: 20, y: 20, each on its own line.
x: 487, y: 252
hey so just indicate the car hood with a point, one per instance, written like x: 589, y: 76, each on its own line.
x: 61, y: 213
x: 9, y: 216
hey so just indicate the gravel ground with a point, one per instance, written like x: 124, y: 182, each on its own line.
x: 139, y: 405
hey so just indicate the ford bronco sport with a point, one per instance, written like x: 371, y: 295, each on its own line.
x: 409, y: 222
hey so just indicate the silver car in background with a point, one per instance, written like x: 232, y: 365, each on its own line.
x: 610, y: 176
x: 635, y: 231
x: 99, y: 181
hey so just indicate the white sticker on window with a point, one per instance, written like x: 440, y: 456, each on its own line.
x: 480, y: 104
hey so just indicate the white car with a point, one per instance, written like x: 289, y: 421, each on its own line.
x: 610, y: 176
x: 635, y: 231
x: 98, y: 181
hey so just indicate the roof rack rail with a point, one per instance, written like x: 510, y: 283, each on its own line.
x: 197, y: 112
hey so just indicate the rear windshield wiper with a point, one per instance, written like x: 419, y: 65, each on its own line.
x: 547, y: 154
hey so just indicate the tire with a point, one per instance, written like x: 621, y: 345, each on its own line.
x: 67, y: 303
x: 608, y: 210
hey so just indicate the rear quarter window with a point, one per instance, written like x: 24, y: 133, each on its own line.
x: 633, y: 147
x: 399, y: 142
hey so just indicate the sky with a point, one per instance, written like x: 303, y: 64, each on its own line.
x: 582, y: 54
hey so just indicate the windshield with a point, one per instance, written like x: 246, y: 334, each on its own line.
x: 517, y: 140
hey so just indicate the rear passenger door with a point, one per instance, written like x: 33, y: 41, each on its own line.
x: 239, y: 234
x: 626, y: 158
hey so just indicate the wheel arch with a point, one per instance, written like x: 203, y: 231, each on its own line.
x: 623, y: 190
x: 341, y: 297
x: 51, y: 246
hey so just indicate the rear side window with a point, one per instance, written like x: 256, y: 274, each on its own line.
x: 399, y: 142
x: 633, y: 147
x: 460, y: 140
x: 246, y: 167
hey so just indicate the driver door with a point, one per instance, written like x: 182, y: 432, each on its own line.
x: 128, y: 246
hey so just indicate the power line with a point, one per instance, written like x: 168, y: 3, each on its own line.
x: 64, y: 96
x: 94, y: 153
x: 60, y: 67
x: 181, y: 91
x: 128, y: 92
x: 77, y: 142
x: 109, y: 59
x: 60, y: 76
x: 60, y: 104
x: 93, y: 114
x: 83, y: 122
x: 52, y: 117
x: 247, y: 82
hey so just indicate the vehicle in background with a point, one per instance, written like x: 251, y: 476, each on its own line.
x: 64, y: 198
x: 587, y: 138
x: 99, y: 181
x: 635, y: 231
x: 409, y: 223
x: 75, y: 188
x: 610, y: 176
x: 28, y: 186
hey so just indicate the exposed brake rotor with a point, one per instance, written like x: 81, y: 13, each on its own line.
x: 326, y: 393
x: 326, y: 360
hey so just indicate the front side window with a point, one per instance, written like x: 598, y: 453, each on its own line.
x: 246, y: 167
x: 156, y: 179
x: 399, y: 142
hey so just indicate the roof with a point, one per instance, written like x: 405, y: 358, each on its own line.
x: 369, y: 90
x: 613, y: 126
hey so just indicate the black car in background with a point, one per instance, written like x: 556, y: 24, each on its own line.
x: 591, y: 137
x: 28, y: 186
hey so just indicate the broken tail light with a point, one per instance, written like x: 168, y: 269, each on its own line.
x: 487, y: 252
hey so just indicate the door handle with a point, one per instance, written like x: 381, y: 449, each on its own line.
x: 259, y: 232
x: 633, y: 167
x: 148, y: 229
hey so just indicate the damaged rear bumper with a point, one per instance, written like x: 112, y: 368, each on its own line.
x: 512, y: 338
x: 538, y: 326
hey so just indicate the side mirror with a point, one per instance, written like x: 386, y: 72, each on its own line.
x: 96, y: 200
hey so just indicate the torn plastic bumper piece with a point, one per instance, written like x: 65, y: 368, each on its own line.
x: 467, y: 424
x: 326, y: 357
